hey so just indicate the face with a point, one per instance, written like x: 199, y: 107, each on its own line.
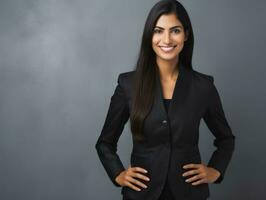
x: 168, y: 37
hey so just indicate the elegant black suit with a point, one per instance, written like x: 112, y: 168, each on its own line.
x: 171, y: 138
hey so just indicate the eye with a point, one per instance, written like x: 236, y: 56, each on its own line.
x: 157, y: 31
x: 176, y: 30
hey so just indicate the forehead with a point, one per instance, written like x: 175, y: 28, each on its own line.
x: 168, y: 20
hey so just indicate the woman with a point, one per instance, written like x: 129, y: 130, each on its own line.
x: 165, y: 100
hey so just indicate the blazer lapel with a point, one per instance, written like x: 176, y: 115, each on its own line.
x: 179, y: 93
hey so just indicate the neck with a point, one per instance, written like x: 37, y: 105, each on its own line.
x: 167, y: 69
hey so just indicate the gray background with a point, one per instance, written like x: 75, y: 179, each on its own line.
x: 59, y: 62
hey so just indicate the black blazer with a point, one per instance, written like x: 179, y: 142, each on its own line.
x: 171, y: 138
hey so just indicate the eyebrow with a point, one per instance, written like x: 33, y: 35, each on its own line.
x: 170, y: 28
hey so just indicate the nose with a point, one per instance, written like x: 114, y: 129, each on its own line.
x: 166, y: 38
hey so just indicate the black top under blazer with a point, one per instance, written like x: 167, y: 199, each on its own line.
x: 171, y: 137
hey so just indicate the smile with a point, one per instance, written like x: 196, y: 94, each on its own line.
x: 167, y: 49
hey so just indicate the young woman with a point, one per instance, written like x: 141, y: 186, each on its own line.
x: 165, y: 99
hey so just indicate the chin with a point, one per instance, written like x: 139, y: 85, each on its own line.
x: 168, y: 58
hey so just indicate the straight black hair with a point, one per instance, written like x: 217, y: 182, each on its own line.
x: 144, y: 86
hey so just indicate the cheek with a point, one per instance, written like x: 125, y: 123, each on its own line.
x: 180, y: 44
x: 155, y: 40
x: 180, y: 39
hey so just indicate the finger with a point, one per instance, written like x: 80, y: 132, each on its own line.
x: 199, y: 182
x: 141, y: 176
x: 139, y: 169
x: 191, y: 165
x: 194, y: 178
x: 133, y: 186
x: 191, y: 172
x: 136, y: 182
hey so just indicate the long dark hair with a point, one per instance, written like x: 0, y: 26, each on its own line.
x: 144, y: 86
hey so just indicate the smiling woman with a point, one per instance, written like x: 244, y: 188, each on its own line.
x: 165, y: 161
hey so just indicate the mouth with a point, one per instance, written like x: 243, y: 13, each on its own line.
x: 167, y: 49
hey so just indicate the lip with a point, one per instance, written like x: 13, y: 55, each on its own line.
x: 167, y: 49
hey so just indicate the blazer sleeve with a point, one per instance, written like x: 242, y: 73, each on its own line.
x: 224, y: 141
x: 106, y: 145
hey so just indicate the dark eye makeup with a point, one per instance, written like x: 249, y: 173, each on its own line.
x: 159, y: 30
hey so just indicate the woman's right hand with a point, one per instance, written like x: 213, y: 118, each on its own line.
x: 126, y: 178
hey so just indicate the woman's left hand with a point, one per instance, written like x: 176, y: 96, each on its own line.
x: 202, y: 174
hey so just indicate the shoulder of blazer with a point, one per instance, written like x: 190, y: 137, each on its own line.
x: 127, y: 75
x: 125, y: 80
x: 203, y: 83
x: 202, y: 76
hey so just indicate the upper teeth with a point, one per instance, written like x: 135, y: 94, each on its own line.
x: 167, y: 48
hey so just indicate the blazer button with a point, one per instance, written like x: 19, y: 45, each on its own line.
x: 164, y: 122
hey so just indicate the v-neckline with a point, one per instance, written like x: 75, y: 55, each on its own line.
x: 177, y: 83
